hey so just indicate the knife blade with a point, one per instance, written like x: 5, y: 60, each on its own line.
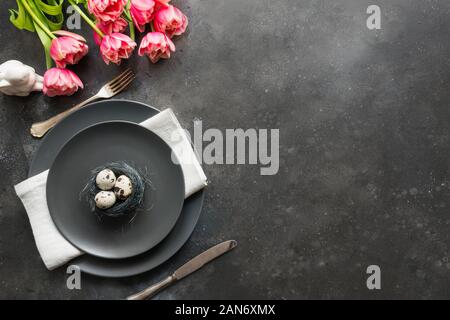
x: 188, y: 268
x: 203, y: 258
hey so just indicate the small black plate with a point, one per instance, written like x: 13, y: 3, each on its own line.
x: 109, y: 237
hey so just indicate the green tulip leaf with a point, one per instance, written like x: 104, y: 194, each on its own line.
x: 51, y: 12
x: 20, y: 18
x: 46, y: 42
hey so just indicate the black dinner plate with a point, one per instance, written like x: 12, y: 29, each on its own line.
x: 118, y: 110
x: 115, y: 237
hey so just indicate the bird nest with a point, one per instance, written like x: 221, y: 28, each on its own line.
x: 131, y: 204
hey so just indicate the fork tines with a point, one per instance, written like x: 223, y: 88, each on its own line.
x: 121, y: 81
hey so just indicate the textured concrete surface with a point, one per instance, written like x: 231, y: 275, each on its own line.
x: 364, y: 175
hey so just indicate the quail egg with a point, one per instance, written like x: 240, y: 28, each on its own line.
x: 123, y: 187
x: 105, y: 199
x: 105, y: 179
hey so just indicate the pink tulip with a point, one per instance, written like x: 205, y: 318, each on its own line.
x: 68, y: 49
x: 142, y: 12
x: 61, y: 82
x: 170, y: 20
x: 106, y: 10
x: 109, y: 27
x: 156, y: 45
x: 115, y: 47
x: 161, y: 3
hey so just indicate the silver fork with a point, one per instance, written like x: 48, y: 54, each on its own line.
x: 39, y: 129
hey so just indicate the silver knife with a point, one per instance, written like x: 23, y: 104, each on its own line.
x: 186, y: 269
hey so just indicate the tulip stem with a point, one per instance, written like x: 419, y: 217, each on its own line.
x: 130, y: 20
x: 37, y: 20
x: 46, y: 42
x: 86, y: 18
x: 132, y: 35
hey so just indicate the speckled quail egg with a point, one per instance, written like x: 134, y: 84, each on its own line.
x: 105, y: 199
x: 123, y: 187
x: 105, y: 179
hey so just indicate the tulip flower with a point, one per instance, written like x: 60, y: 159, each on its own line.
x: 68, y: 49
x: 170, y: 20
x: 60, y: 82
x: 142, y: 12
x: 115, y: 47
x: 161, y: 3
x: 106, y: 10
x: 156, y: 45
x: 109, y: 27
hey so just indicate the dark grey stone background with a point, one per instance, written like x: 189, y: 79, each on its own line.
x: 364, y: 124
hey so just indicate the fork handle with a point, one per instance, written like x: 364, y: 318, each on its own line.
x: 39, y: 129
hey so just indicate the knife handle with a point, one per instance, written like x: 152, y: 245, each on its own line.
x: 154, y: 289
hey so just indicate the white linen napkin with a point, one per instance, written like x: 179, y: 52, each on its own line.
x: 54, y: 249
